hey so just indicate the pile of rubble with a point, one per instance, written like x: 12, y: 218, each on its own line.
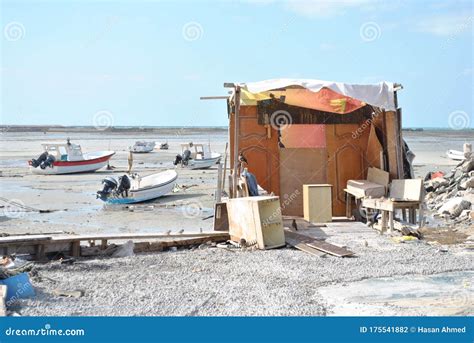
x: 451, y: 195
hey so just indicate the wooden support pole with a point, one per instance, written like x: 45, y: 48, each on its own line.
x: 76, y: 249
x: 236, y: 138
x: 225, y: 165
x: 218, y: 194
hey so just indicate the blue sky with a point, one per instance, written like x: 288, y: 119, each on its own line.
x: 148, y: 62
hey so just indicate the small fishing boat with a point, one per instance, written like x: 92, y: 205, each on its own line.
x: 142, y: 147
x: 164, y: 146
x: 133, y: 189
x: 455, y: 155
x: 68, y: 158
x: 196, y: 156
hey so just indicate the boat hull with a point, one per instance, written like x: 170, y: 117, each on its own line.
x: 455, y: 155
x: 147, y: 193
x: 141, y: 150
x: 95, y: 162
x: 202, y: 163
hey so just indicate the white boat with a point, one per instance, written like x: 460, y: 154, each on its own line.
x: 142, y: 147
x: 134, y: 188
x: 455, y: 155
x: 196, y: 156
x: 68, y: 158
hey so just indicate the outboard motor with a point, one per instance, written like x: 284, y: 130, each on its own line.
x: 124, y: 185
x: 48, y: 162
x: 177, y: 160
x: 185, y: 157
x: 109, y: 185
x: 36, y: 162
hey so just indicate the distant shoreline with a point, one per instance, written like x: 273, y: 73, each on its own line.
x: 114, y: 129
x: 161, y: 129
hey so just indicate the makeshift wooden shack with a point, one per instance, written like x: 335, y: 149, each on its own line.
x: 296, y: 132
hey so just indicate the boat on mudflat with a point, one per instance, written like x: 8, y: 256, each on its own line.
x: 134, y: 188
x: 455, y: 155
x: 142, y: 147
x: 201, y: 158
x: 68, y: 158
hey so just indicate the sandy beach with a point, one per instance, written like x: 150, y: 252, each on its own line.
x: 210, y: 280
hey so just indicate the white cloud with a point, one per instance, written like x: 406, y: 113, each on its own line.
x: 325, y: 8
x: 446, y: 25
x: 326, y: 47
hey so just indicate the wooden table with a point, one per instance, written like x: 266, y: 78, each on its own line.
x: 349, y: 196
x: 389, y: 206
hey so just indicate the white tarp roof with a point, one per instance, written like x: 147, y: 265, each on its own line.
x: 379, y: 94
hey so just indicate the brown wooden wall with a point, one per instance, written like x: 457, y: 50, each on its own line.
x: 348, y: 155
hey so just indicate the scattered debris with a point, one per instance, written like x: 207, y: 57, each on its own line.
x: 451, y: 196
x: 69, y: 294
x: 18, y: 287
x: 125, y: 250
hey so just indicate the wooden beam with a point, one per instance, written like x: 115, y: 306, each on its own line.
x: 217, y: 97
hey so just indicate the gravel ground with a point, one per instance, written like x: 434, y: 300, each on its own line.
x: 218, y: 282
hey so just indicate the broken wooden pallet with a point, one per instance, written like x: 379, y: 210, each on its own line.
x: 41, y: 245
x: 301, y: 242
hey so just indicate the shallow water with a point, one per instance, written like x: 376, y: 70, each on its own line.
x: 439, y: 294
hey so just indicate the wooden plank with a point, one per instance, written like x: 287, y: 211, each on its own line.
x: 24, y: 238
x: 330, y: 249
x: 393, y: 132
x: 127, y: 236
x: 299, y: 166
x: 406, y: 190
x: 302, y: 246
x: 221, y: 217
x: 378, y: 176
x: 319, y: 244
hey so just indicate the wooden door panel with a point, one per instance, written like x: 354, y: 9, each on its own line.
x: 298, y: 167
x: 346, y: 159
x: 260, y: 151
